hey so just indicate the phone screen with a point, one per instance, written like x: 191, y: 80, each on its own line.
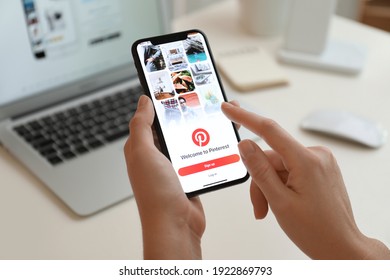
x: 178, y: 72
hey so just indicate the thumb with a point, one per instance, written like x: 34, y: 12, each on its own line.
x: 140, y: 125
x: 261, y: 170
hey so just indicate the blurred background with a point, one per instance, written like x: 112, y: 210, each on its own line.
x: 372, y: 12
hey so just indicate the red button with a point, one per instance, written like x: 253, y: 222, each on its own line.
x: 208, y: 165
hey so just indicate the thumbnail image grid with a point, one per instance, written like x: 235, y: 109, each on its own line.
x: 182, y: 80
x: 153, y: 58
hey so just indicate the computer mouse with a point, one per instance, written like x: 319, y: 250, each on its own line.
x: 346, y: 125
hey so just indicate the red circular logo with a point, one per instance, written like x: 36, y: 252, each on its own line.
x: 200, y: 137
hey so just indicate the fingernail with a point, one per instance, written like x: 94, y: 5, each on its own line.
x: 246, y: 148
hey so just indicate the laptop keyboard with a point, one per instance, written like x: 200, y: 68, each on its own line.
x: 73, y: 132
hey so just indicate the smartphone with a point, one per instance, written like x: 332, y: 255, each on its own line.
x: 178, y: 73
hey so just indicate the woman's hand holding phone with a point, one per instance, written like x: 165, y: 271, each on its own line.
x: 172, y: 224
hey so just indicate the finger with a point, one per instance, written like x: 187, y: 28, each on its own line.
x: 276, y: 160
x: 237, y: 104
x: 259, y: 202
x: 262, y: 171
x: 278, y: 139
x: 141, y: 123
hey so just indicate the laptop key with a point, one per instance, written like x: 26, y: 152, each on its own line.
x: 80, y: 149
x: 116, y: 134
x: 95, y: 144
x: 68, y: 155
x: 54, y: 159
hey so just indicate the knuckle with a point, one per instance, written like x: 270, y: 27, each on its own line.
x: 323, y: 153
x: 269, y: 124
x: 321, y: 157
x: 322, y: 149
x: 135, y: 121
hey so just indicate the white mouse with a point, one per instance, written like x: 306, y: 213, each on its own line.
x: 346, y: 125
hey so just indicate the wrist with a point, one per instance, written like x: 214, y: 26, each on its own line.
x: 375, y: 250
x: 171, y: 239
x: 365, y: 248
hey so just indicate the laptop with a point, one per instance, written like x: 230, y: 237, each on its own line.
x: 68, y: 88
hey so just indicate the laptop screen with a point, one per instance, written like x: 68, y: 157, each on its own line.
x: 47, y: 44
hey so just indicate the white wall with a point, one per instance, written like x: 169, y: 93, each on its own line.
x: 347, y: 8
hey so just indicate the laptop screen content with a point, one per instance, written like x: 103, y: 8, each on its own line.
x: 46, y: 44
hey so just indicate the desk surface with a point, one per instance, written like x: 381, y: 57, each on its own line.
x: 36, y: 225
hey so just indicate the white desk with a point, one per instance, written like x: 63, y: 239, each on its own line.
x: 36, y: 225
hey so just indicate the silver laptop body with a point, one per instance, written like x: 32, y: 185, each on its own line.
x: 57, y: 55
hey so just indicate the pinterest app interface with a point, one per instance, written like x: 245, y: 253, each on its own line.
x: 186, y: 93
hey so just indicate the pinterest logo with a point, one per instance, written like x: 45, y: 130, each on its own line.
x: 200, y: 137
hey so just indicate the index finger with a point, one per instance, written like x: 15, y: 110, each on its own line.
x: 276, y: 137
